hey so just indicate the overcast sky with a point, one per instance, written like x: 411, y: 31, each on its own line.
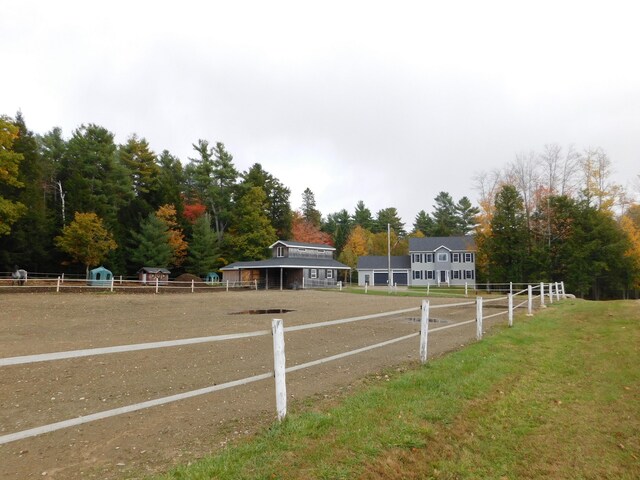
x: 385, y: 102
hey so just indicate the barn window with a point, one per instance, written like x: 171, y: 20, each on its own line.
x: 314, y: 273
x: 329, y: 273
x: 279, y: 251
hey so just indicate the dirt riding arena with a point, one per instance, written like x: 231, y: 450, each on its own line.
x: 151, y: 440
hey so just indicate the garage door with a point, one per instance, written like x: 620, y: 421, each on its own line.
x: 400, y: 278
x: 380, y: 278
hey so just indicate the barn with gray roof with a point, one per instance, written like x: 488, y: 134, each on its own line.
x: 292, y: 265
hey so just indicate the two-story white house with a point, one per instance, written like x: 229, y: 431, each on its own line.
x: 292, y: 265
x: 431, y: 261
x: 442, y: 261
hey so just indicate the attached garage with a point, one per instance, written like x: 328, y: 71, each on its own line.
x: 400, y: 278
x: 374, y: 270
x: 380, y: 278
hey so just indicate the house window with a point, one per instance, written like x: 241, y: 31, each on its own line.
x: 428, y: 257
x: 468, y: 274
x: 329, y: 273
x: 279, y: 252
x: 468, y: 257
x: 443, y: 257
x: 455, y: 274
x: 455, y: 257
x: 314, y: 273
x: 431, y: 274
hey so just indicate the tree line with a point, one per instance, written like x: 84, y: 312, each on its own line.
x: 557, y: 215
x: 78, y: 202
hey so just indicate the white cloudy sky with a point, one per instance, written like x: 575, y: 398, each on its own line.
x: 387, y: 102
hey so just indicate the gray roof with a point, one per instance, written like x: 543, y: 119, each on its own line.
x: 375, y: 262
x: 431, y: 244
x: 290, y: 243
x: 153, y: 270
x: 287, y: 262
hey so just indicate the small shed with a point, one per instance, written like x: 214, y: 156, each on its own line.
x: 100, y: 277
x: 212, y: 277
x: 151, y: 274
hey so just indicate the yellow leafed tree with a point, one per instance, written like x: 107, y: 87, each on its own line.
x: 167, y: 214
x: 632, y: 230
x: 356, y: 246
x: 10, y: 211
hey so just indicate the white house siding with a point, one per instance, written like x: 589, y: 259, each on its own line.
x: 427, y: 269
x: 368, y: 276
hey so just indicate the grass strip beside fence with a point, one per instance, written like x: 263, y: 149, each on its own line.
x: 557, y: 396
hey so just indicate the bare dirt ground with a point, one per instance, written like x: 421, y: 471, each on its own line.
x: 152, y: 440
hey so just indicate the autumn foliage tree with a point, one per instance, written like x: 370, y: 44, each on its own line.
x: 632, y: 230
x: 86, y: 240
x: 305, y: 231
x: 10, y: 211
x: 168, y: 215
x: 356, y: 246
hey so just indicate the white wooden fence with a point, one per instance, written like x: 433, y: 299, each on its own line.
x: 280, y: 370
x: 121, y: 284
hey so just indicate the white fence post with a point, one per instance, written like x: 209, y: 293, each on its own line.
x: 366, y: 285
x: 564, y: 294
x: 557, y: 291
x: 157, y: 284
x: 479, y: 318
x: 466, y: 289
x: 424, y: 331
x: 510, y: 309
x: 255, y: 281
x: 120, y: 279
x: 227, y: 285
x: 112, y: 280
x: 279, y: 365
x: 428, y: 285
x: 550, y: 292
x: 193, y: 285
x: 530, y: 300
x: 62, y: 280
x: 542, y: 305
x: 58, y: 285
x: 511, y: 287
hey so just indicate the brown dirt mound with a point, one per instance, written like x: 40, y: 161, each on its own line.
x: 187, y: 277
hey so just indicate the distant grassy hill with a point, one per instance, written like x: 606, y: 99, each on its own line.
x: 557, y: 396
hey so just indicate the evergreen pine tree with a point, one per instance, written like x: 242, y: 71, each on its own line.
x: 204, y: 253
x: 152, y: 248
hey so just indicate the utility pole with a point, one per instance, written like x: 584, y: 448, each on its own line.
x: 389, y: 279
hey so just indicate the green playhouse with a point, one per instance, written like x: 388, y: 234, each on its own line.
x: 100, y: 277
x: 212, y: 277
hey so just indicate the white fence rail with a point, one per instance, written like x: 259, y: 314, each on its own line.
x: 120, y: 284
x: 62, y: 284
x: 280, y: 369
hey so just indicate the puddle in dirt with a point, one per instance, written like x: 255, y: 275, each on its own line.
x: 265, y: 311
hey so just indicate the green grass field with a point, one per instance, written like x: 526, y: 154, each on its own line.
x: 556, y: 396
